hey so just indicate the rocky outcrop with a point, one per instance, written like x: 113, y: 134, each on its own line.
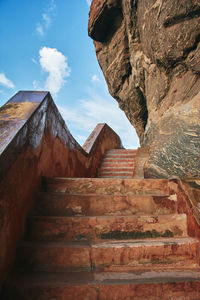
x: 149, y: 52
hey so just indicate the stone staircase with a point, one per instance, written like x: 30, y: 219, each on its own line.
x: 118, y: 163
x: 106, y: 238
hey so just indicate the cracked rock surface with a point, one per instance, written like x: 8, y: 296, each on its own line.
x: 149, y: 52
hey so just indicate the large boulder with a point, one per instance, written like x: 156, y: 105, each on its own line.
x: 149, y: 52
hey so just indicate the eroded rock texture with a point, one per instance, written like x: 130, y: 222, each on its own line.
x: 149, y: 52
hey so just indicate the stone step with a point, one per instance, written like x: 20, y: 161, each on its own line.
x: 119, y: 160
x: 146, y: 285
x: 108, y: 186
x: 122, y: 151
x: 62, y: 204
x: 116, y: 169
x: 116, y: 175
x: 119, y: 174
x: 106, y: 227
x: 54, y: 256
x: 119, y: 156
x: 109, y: 256
x: 117, y: 165
x: 145, y: 254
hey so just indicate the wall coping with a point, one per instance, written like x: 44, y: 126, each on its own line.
x: 18, y: 126
x: 93, y: 137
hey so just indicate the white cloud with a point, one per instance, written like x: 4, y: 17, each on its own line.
x: 95, y: 78
x: 89, y: 2
x: 46, y: 18
x: 52, y: 6
x: 97, y: 109
x: 55, y: 63
x: 36, y: 84
x: 5, y: 81
x: 39, y: 29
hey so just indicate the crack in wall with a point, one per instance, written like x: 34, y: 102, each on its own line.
x: 181, y: 18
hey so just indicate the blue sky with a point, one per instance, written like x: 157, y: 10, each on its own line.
x: 45, y: 46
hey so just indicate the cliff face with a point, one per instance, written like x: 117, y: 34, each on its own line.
x: 149, y: 52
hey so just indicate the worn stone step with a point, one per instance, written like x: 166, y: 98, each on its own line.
x: 117, y: 165
x: 145, y: 254
x: 116, y: 169
x: 115, y: 175
x: 119, y: 160
x: 109, y: 256
x: 54, y: 256
x: 108, y: 186
x: 122, y: 151
x: 119, y: 174
x: 62, y: 204
x: 106, y: 227
x: 146, y: 285
x: 119, y: 156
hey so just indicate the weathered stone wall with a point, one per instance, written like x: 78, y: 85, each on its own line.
x: 35, y: 142
x: 149, y: 52
x: 188, y: 199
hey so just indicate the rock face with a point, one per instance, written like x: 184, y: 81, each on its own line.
x: 149, y: 52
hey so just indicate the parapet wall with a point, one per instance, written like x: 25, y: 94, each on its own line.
x: 35, y: 142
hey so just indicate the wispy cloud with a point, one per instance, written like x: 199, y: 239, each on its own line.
x: 52, y: 6
x: 55, y: 63
x: 82, y: 119
x: 36, y: 84
x: 5, y: 81
x: 46, y: 18
x: 34, y: 61
x: 95, y: 78
x: 40, y: 29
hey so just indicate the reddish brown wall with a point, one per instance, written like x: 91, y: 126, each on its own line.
x: 42, y: 147
x: 187, y: 203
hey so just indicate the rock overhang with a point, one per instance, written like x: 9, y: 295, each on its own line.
x: 105, y: 18
x: 151, y: 66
